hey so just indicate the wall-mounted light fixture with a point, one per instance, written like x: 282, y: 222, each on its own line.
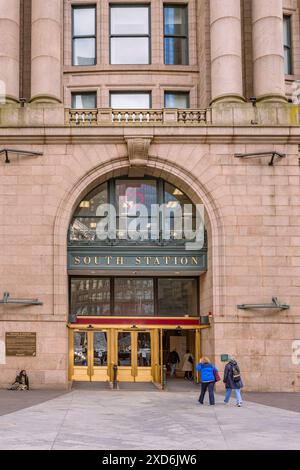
x: 271, y: 154
x: 8, y: 300
x: 21, y: 153
x: 274, y: 305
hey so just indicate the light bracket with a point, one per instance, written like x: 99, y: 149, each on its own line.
x: 8, y: 300
x: 274, y: 305
x: 271, y: 154
x: 21, y: 153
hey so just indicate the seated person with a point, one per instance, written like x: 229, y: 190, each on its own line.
x: 21, y: 382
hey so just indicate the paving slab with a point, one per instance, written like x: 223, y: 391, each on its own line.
x: 106, y: 420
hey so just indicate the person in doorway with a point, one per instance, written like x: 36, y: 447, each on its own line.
x: 208, y: 379
x: 188, y: 365
x: 174, y: 359
x: 21, y: 382
x: 233, y: 381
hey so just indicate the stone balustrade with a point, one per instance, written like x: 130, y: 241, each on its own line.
x: 149, y: 117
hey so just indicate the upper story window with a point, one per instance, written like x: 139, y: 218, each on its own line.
x: 176, y: 34
x: 84, y: 35
x: 130, y: 100
x: 177, y: 99
x: 84, y: 100
x: 287, y: 43
x: 129, y: 34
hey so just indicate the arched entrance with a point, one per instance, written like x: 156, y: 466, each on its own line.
x: 129, y: 330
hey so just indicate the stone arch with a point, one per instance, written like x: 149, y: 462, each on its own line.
x: 158, y: 167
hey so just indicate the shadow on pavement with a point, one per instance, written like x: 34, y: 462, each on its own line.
x: 12, y: 400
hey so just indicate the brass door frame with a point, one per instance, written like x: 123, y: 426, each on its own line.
x: 90, y: 368
x: 134, y: 369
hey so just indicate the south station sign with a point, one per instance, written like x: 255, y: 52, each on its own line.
x: 186, y: 261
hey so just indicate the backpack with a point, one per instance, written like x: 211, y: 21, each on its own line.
x: 236, y: 375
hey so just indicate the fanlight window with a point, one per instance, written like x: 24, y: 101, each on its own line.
x: 130, y: 211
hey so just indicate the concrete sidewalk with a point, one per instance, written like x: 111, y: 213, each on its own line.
x: 89, y: 419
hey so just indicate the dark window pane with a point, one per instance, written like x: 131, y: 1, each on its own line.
x: 287, y: 41
x: 130, y: 100
x: 84, y: 52
x: 84, y: 100
x: 176, y: 100
x: 129, y: 20
x: 176, y: 51
x: 100, y: 349
x: 177, y: 297
x: 175, y: 21
x: 124, y: 349
x: 84, y: 21
x: 134, y: 296
x: 80, y: 349
x: 129, y: 50
x: 287, y: 61
x: 90, y: 296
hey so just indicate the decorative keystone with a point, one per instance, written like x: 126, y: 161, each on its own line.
x: 138, y: 151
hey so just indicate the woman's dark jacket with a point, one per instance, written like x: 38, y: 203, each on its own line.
x: 19, y: 379
x: 228, y: 376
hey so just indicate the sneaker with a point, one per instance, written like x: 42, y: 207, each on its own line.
x: 239, y: 405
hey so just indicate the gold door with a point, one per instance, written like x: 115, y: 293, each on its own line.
x: 134, y: 356
x: 100, y: 356
x: 79, y: 356
x: 90, y: 359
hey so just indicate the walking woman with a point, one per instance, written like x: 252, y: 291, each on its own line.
x: 209, y: 375
x: 188, y: 365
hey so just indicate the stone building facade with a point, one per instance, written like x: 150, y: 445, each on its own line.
x: 233, y: 85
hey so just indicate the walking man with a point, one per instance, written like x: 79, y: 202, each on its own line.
x: 174, y: 359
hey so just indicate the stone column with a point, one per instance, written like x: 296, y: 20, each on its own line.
x: 46, y: 55
x: 226, y: 50
x: 268, y: 58
x: 9, y: 50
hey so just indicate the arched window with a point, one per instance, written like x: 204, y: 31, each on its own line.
x: 133, y: 211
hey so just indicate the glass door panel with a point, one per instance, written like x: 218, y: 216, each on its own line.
x: 125, y: 356
x: 100, y: 352
x: 143, y: 357
x: 81, y: 356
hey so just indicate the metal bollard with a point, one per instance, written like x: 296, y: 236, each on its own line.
x: 115, y: 382
x: 164, y: 381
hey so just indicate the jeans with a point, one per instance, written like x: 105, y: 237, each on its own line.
x: 173, y: 369
x: 210, y: 386
x: 237, y: 394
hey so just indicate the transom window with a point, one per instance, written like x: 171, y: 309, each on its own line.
x: 133, y: 296
x: 129, y: 34
x: 132, y: 201
x: 84, y: 35
x: 176, y: 34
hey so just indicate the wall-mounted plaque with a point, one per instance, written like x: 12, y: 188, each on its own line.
x: 20, y: 344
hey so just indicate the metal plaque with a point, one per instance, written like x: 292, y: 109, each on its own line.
x: 20, y: 344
